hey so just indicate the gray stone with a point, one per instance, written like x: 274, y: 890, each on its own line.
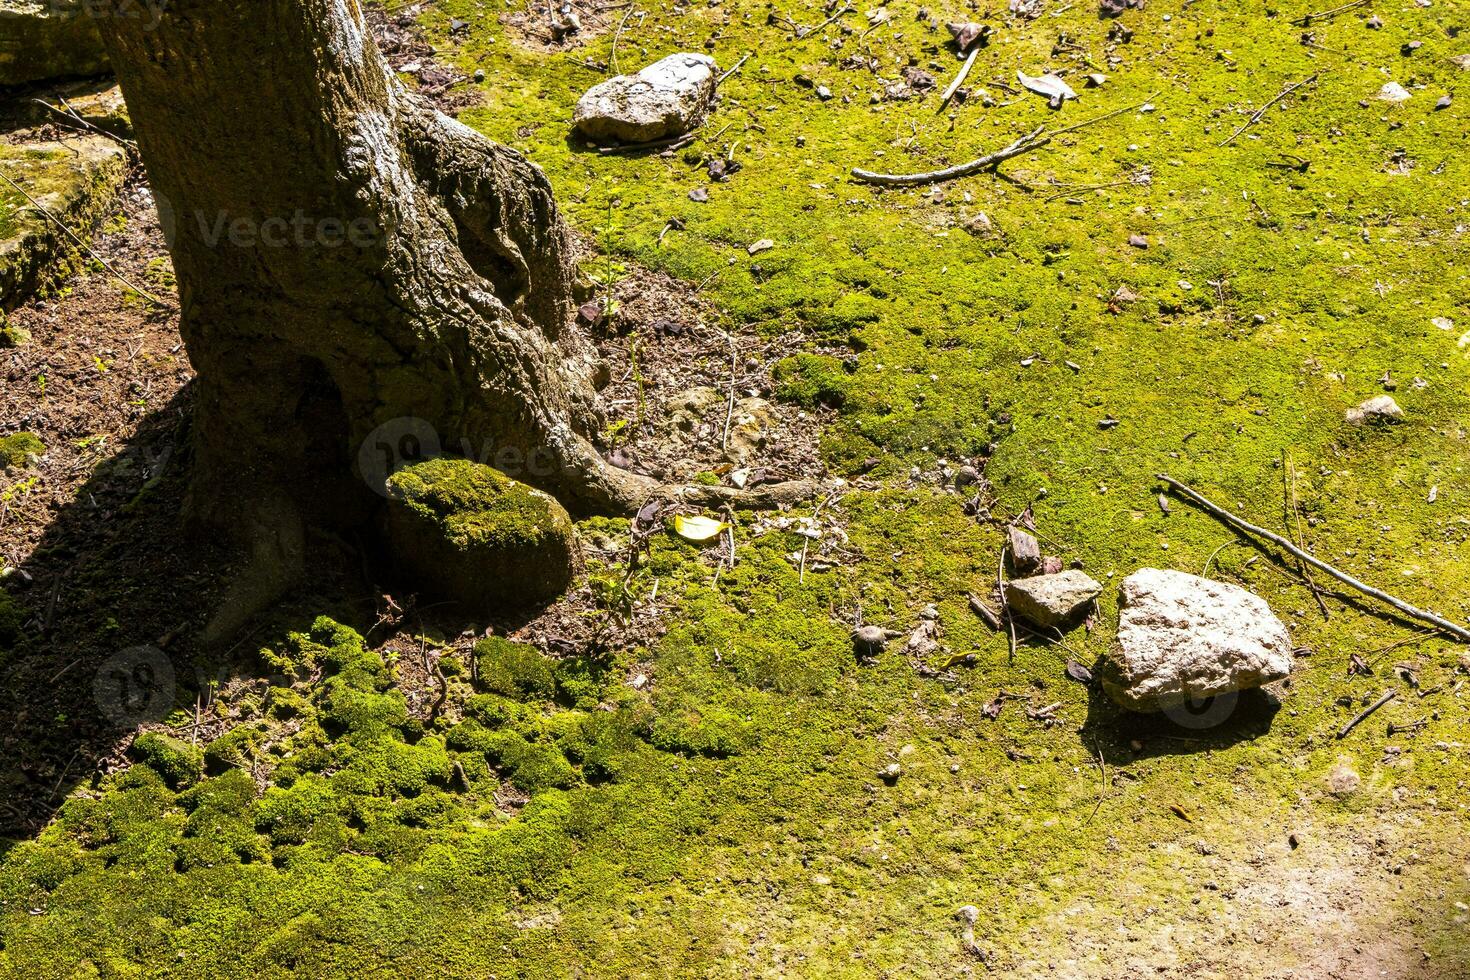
x: 1376, y: 411
x: 688, y: 408
x: 44, y: 39
x: 751, y: 423
x: 1052, y: 601
x: 1025, y: 551
x: 1182, y: 638
x: 666, y: 99
x: 870, y: 641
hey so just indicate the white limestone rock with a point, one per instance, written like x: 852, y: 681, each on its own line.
x: 1182, y: 638
x: 667, y: 99
x: 1381, y: 410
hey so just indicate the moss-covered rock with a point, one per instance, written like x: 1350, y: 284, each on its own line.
x: 515, y: 670
x: 178, y: 763
x: 42, y: 39
x: 12, y: 335
x: 78, y: 181
x: 235, y: 747
x: 811, y: 380
x: 18, y: 448
x: 468, y: 532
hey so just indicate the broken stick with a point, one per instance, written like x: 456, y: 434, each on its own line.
x: 1255, y: 117
x: 802, y: 32
x: 1033, y: 140
x: 1388, y: 696
x: 960, y: 78
x: 1325, y: 14
x: 1458, y: 632
x: 47, y: 212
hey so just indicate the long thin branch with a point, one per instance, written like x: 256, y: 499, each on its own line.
x: 1256, y: 116
x: 72, y: 116
x: 1459, y: 632
x: 617, y: 35
x: 1005, y: 605
x: 84, y: 246
x: 802, y: 32
x: 1323, y: 14
x: 1033, y: 140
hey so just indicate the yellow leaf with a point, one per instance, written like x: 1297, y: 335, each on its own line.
x: 697, y: 528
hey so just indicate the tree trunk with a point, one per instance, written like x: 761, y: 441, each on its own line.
x: 358, y: 274
x: 348, y: 258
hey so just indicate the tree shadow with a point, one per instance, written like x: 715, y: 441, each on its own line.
x: 113, y: 592
x: 119, y: 596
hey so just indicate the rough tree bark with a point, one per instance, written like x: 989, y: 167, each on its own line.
x: 347, y: 256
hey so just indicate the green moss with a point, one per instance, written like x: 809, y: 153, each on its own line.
x: 230, y: 793
x: 235, y: 748
x: 389, y: 768
x: 531, y: 766
x: 712, y: 732
x: 513, y: 669
x: 580, y: 681
x: 11, y: 334
x: 497, y: 711
x: 812, y: 380
x: 17, y: 448
x: 729, y: 817
x: 284, y: 704
x: 177, y: 762
x: 603, y: 743
x: 288, y: 815
x: 475, y: 505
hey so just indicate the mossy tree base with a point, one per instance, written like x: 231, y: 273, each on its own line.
x: 348, y: 258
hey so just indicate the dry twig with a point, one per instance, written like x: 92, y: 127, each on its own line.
x: 1259, y: 113
x: 1324, y: 14
x: 1358, y: 719
x: 84, y: 246
x: 1033, y: 140
x: 960, y: 78
x: 1458, y: 632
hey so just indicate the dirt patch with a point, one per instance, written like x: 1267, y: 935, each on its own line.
x: 92, y: 531
x: 405, y: 50
x: 566, y: 26
x: 687, y: 398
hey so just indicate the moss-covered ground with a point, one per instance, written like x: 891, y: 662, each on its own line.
x: 728, y: 818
